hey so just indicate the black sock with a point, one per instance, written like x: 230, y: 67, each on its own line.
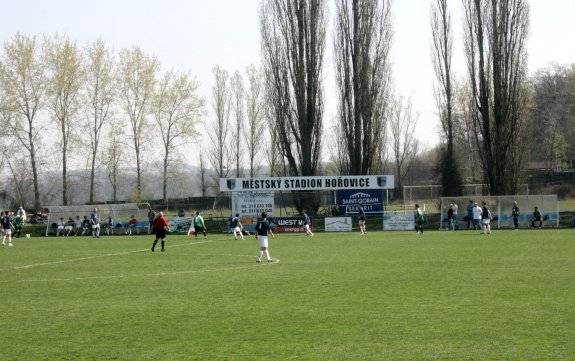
x: 154, y: 245
x: 163, y: 243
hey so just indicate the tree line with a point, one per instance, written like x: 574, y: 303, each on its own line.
x: 53, y: 91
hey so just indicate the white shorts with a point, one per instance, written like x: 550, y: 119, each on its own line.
x: 60, y: 228
x: 95, y: 226
x: 7, y: 231
x: 486, y: 221
x: 306, y: 226
x: 237, y: 229
x: 361, y: 222
x: 263, y: 241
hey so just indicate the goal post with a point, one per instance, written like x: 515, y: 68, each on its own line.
x: 500, y: 207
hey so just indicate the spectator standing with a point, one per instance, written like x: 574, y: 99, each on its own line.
x: 470, y: 208
x: 7, y: 229
x: 21, y: 212
x: 151, y: 218
x: 263, y: 228
x: 451, y: 226
x: 515, y: 215
x: 110, y: 226
x: 160, y: 226
x: 335, y: 211
x: 361, y: 218
x: 236, y: 226
x: 95, y: 223
x: 307, y: 224
x: 486, y: 219
x: 537, y: 218
x: 455, y: 208
x: 477, y: 217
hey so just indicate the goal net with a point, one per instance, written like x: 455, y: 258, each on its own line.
x: 500, y: 207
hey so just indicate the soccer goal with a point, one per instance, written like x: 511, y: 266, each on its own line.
x: 500, y: 207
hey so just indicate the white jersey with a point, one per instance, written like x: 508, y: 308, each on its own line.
x: 477, y: 212
x: 455, y: 207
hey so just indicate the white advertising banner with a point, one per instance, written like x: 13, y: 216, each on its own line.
x: 338, y: 224
x: 252, y: 204
x: 307, y: 183
x: 398, y: 222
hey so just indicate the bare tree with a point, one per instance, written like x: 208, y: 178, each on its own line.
x: 112, y: 158
x: 254, y: 116
x: 176, y: 108
x: 363, y: 38
x: 23, y: 80
x: 238, y: 108
x: 495, y: 46
x: 293, y: 45
x: 441, y: 55
x: 63, y: 62
x: 465, y: 133
x: 137, y: 76
x: 552, y: 122
x: 338, y: 150
x: 203, y: 176
x: 404, y: 145
x: 220, y: 153
x: 274, y: 155
x: 99, y: 94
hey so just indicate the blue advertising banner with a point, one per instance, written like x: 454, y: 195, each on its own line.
x: 348, y: 199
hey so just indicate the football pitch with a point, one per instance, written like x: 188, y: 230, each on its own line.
x: 335, y: 296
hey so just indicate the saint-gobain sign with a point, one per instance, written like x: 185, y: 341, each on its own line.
x: 372, y: 201
x: 307, y: 183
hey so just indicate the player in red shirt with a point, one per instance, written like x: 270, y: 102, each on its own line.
x: 160, y: 226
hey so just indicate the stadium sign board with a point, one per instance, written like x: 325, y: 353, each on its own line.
x: 307, y: 183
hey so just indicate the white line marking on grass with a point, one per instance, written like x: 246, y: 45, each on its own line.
x: 121, y: 276
x: 28, y: 266
x: 275, y: 261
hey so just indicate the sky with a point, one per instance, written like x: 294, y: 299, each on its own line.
x: 196, y: 35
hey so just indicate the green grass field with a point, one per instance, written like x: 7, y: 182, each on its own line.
x: 335, y: 296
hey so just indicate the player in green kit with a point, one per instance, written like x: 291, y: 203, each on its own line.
x: 197, y: 226
x: 18, y: 222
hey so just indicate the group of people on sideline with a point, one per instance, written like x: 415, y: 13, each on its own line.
x: 480, y: 217
x: 89, y: 226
